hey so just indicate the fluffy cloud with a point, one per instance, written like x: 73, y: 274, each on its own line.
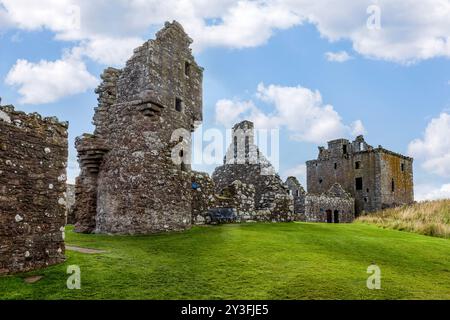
x: 410, y: 30
x: 430, y: 192
x: 298, y: 109
x: 340, y: 56
x: 434, y: 148
x: 299, y: 172
x: 48, y: 81
x: 109, y: 51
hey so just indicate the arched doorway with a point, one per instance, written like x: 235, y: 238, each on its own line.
x: 336, y: 216
x: 329, y: 216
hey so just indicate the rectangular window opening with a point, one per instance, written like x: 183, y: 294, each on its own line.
x: 187, y: 68
x: 359, y: 183
x: 178, y: 104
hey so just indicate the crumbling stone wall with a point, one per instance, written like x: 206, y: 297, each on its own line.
x: 299, y: 194
x: 240, y: 197
x: 245, y: 163
x: 334, y: 206
x: 365, y: 172
x: 33, y: 159
x: 70, y: 201
x: 147, y: 111
x: 203, y: 196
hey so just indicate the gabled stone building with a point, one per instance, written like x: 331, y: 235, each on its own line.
x: 375, y: 177
x: 333, y: 206
x: 129, y: 181
x: 245, y: 163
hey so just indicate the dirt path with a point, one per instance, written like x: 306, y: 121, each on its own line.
x: 84, y: 250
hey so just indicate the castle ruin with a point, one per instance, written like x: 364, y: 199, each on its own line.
x: 375, y: 177
x: 33, y: 156
x: 128, y: 182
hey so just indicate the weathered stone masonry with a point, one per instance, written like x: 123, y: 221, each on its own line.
x: 33, y: 155
x: 375, y: 177
x: 245, y: 163
x: 129, y: 183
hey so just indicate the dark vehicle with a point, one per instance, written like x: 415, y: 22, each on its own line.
x: 221, y: 215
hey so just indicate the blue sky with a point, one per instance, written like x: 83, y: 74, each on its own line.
x: 399, y: 91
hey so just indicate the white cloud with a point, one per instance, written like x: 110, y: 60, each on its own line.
x: 434, y: 148
x: 340, y: 56
x: 357, y: 128
x: 298, y: 171
x: 410, y: 30
x: 48, y: 81
x: 298, y: 109
x: 109, y: 51
x: 431, y: 192
x: 228, y: 112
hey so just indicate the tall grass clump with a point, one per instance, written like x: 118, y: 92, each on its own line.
x: 431, y: 218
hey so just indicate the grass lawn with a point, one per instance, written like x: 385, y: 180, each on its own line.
x: 248, y: 261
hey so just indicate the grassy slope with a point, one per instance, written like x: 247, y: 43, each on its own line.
x: 430, y: 218
x: 251, y: 261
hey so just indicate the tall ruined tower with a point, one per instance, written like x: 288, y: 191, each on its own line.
x: 375, y: 177
x: 129, y: 182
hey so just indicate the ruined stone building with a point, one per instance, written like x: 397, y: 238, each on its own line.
x: 128, y: 181
x: 333, y: 206
x: 375, y: 177
x: 298, y: 194
x: 33, y: 156
x: 245, y: 163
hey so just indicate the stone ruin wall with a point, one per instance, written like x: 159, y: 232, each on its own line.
x: 316, y: 207
x: 299, y: 195
x: 70, y: 202
x: 33, y: 159
x: 377, y: 167
x: 238, y: 196
x: 129, y: 183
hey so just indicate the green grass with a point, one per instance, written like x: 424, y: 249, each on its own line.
x: 249, y: 261
x: 430, y: 218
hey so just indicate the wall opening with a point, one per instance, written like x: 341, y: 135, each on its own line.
x: 329, y: 216
x: 335, y: 166
x: 178, y: 104
x: 336, y: 216
x: 402, y: 167
x: 359, y: 183
x: 393, y: 185
x: 187, y: 68
x: 247, y: 149
x: 320, y: 181
x: 358, y: 165
x: 344, y: 149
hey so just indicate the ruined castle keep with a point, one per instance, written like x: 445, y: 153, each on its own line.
x: 33, y: 156
x: 128, y: 182
x: 375, y: 177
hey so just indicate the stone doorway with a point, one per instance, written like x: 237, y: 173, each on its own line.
x: 336, y: 216
x: 329, y: 216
